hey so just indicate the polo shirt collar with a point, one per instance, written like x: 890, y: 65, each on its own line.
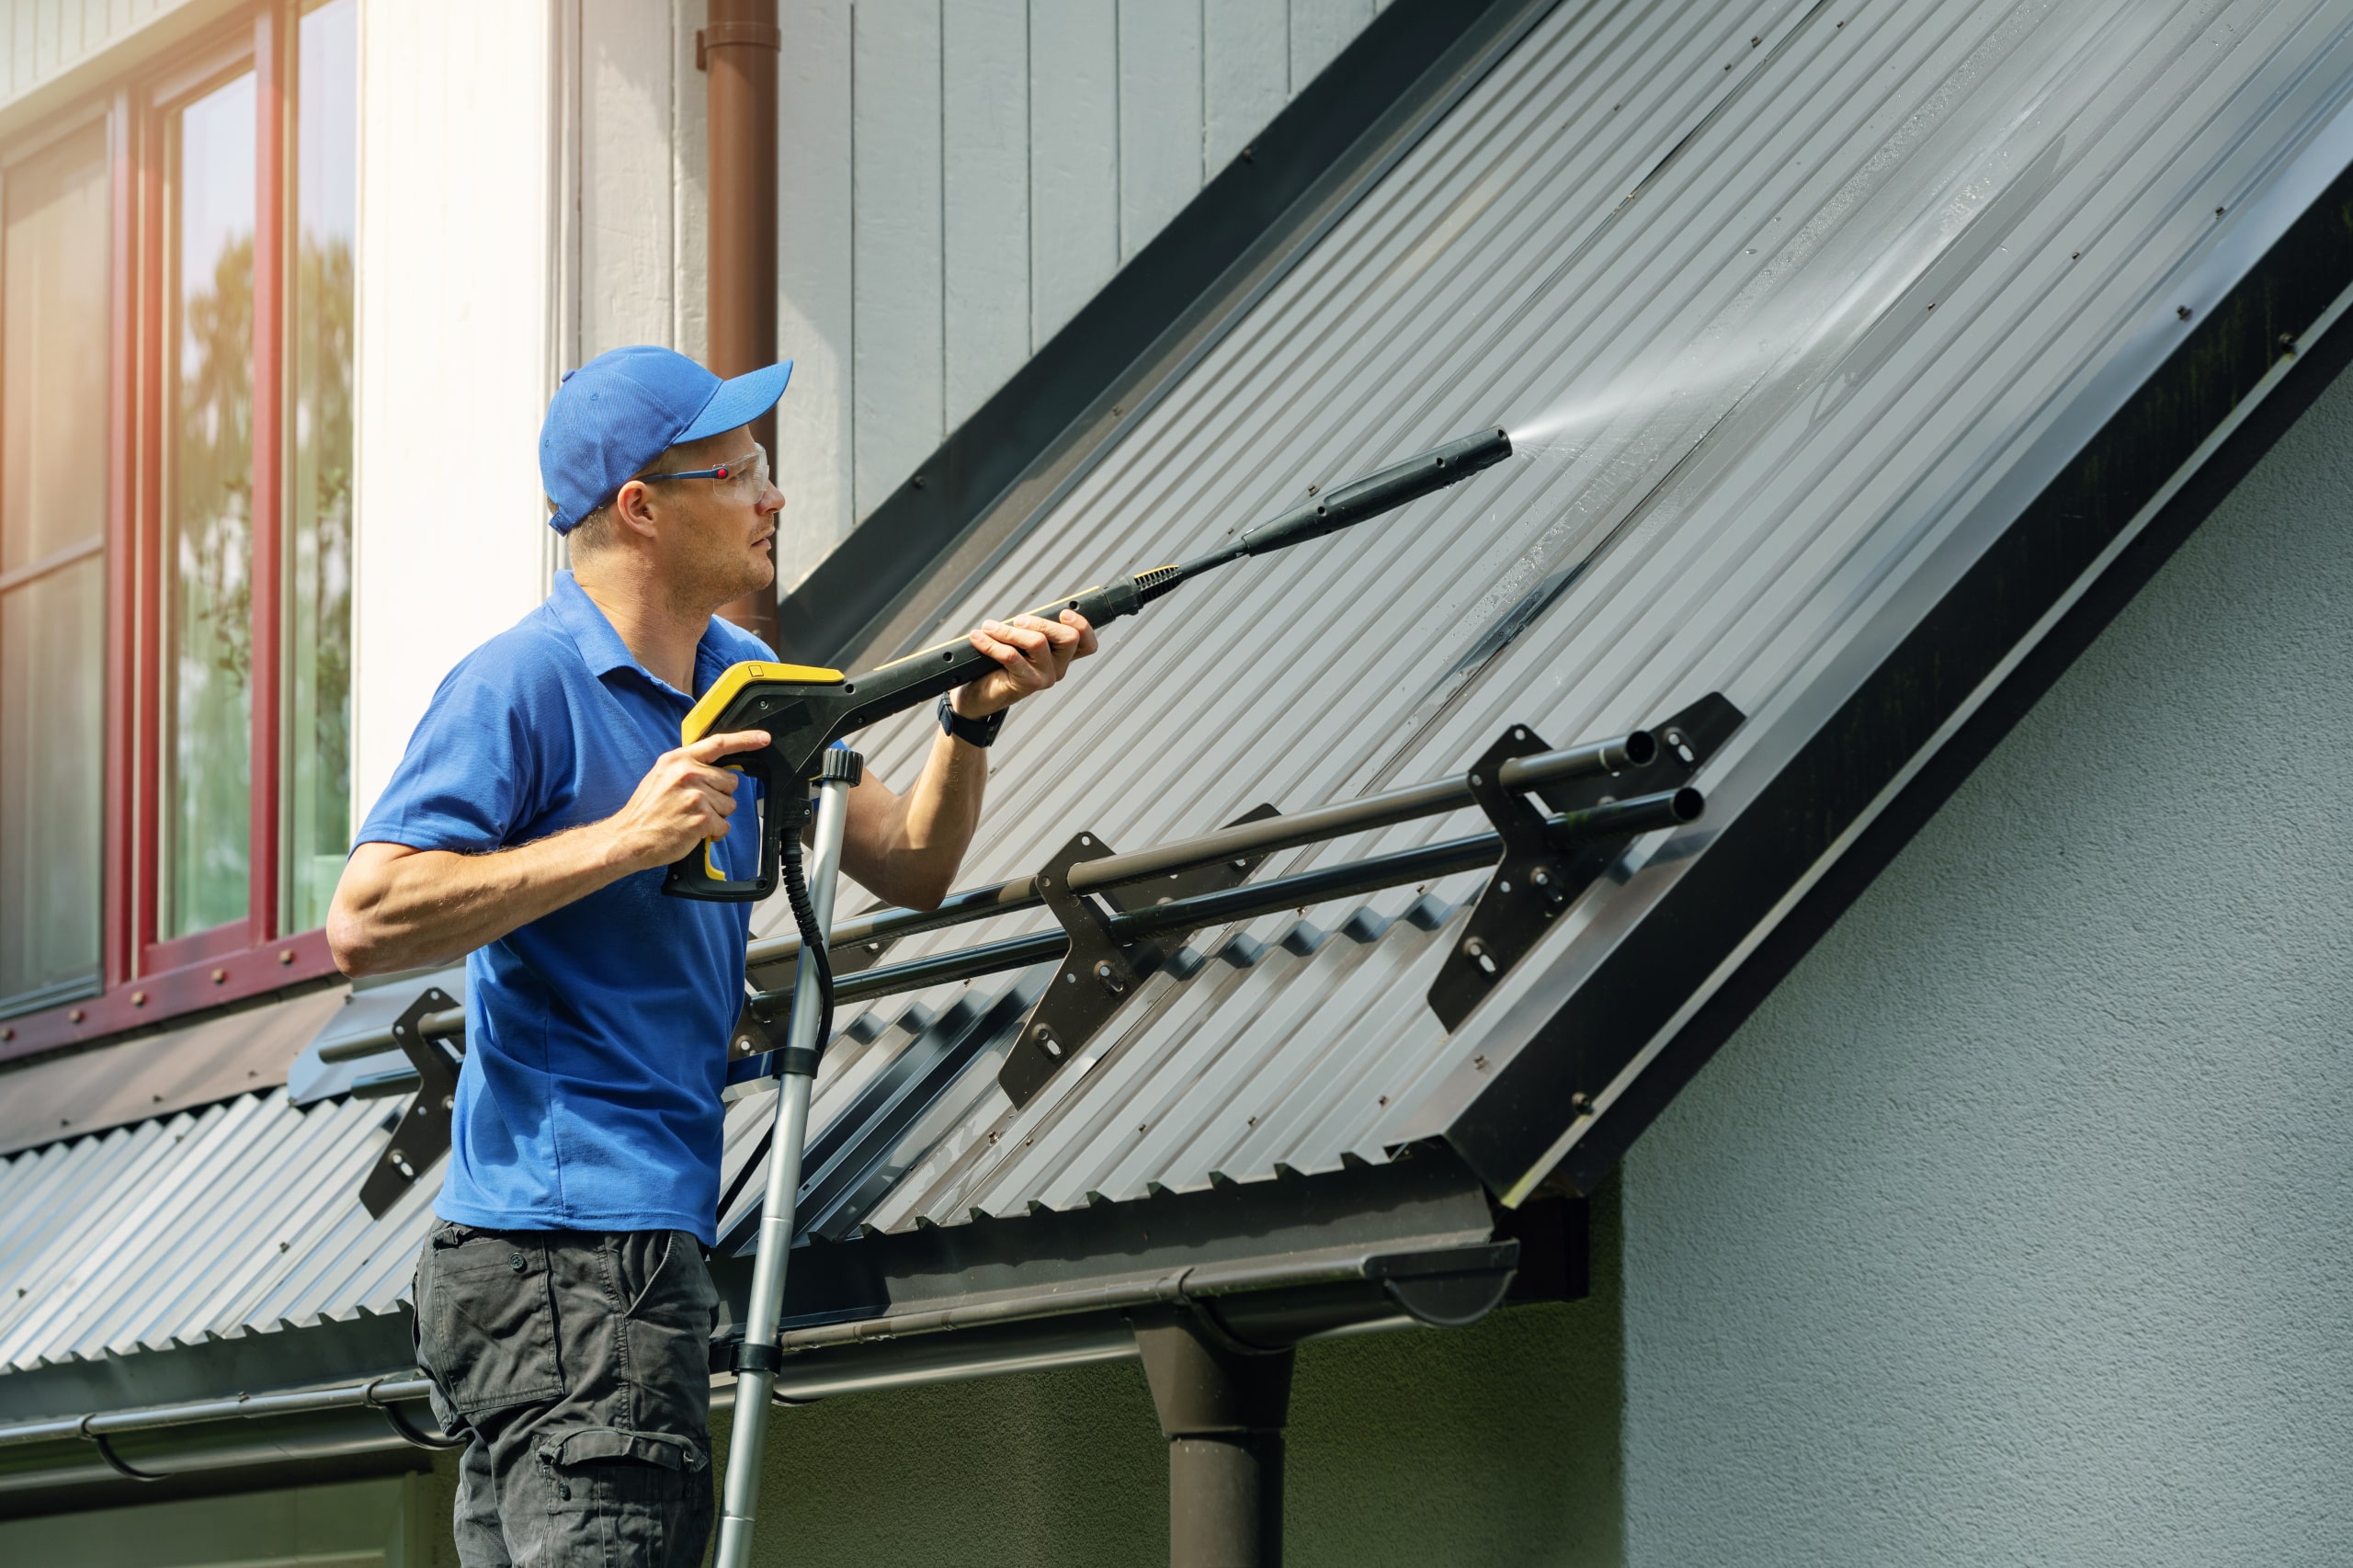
x: 601, y: 648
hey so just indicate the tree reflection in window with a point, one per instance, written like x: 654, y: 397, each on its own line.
x: 209, y: 612
x: 319, y: 501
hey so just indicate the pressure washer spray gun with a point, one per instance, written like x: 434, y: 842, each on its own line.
x: 805, y: 710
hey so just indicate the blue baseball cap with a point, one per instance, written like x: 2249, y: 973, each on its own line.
x: 628, y: 407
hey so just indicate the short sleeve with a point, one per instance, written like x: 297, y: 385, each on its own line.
x: 471, y: 776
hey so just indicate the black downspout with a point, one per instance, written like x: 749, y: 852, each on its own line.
x: 1223, y: 1407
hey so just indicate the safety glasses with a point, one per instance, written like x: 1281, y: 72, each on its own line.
x: 749, y: 472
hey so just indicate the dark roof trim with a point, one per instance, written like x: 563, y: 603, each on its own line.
x: 1425, y: 1201
x: 1596, y: 1042
x: 1060, y: 412
x: 290, y: 1357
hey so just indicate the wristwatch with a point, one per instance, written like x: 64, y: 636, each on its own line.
x: 980, y: 733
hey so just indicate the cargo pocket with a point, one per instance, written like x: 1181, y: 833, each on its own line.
x: 606, y: 1469
x: 487, y: 1319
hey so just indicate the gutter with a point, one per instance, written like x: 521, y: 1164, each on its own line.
x: 1313, y: 1297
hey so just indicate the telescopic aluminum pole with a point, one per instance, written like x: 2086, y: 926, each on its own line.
x: 756, y: 1378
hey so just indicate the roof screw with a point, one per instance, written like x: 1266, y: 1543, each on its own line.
x: 285, y: 955
x: 139, y: 998
x: 75, y: 1017
x: 1580, y: 1103
x: 2182, y: 311
x: 7, y: 1034
x: 1474, y: 947
x: 220, y: 976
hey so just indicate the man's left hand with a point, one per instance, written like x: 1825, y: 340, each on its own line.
x: 1032, y: 652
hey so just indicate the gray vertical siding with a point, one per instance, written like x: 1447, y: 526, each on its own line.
x: 986, y: 124
x: 899, y: 345
x: 960, y: 177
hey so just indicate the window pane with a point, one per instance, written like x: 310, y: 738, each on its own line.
x: 53, y: 679
x: 318, y: 561
x: 208, y: 556
x: 53, y: 352
x: 54, y: 271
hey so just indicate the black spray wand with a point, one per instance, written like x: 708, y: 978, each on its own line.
x: 805, y: 709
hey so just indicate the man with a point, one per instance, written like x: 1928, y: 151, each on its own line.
x: 563, y: 1307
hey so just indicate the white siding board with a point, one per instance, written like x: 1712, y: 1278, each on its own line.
x: 895, y: 147
x: 1160, y: 116
x: 454, y: 350
x: 625, y: 134
x: 1319, y: 30
x: 1074, y: 157
x: 814, y: 272
x: 1245, y: 73
x: 984, y: 113
x: 45, y: 38
x: 41, y: 40
x: 690, y: 196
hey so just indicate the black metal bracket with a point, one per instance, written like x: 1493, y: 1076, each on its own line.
x: 1101, y: 973
x: 422, y: 1136
x: 1535, y: 881
x: 1096, y: 979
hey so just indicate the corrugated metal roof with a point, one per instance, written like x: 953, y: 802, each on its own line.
x: 1818, y: 274
x: 1802, y: 281
x: 243, y: 1217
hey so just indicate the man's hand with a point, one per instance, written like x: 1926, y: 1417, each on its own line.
x: 401, y: 908
x: 1033, y: 654
x: 684, y: 799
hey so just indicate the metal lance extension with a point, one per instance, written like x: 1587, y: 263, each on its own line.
x: 813, y: 1010
x: 803, y: 708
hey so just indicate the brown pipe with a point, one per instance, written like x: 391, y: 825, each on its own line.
x: 739, y: 48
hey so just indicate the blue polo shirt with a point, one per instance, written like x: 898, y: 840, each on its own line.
x: 595, y: 1036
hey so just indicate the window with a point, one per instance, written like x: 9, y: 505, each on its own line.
x: 177, y: 309
x: 54, y: 271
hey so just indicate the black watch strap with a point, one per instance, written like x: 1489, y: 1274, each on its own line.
x: 980, y: 733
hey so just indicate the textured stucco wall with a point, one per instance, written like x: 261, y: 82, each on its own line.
x: 2014, y: 1228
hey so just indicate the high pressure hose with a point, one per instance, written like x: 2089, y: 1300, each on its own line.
x: 812, y: 947
x: 812, y: 939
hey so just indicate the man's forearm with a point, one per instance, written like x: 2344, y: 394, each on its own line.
x: 909, y: 853
x: 434, y: 906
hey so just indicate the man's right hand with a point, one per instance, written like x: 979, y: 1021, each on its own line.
x: 683, y: 800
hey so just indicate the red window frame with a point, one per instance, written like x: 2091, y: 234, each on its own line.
x: 144, y: 978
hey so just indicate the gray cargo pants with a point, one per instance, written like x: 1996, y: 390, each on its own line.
x: 579, y: 1365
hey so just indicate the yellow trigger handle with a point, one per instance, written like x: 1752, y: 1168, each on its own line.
x: 701, y: 718
x: 713, y: 706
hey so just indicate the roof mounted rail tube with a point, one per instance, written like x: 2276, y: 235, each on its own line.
x: 1259, y: 838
